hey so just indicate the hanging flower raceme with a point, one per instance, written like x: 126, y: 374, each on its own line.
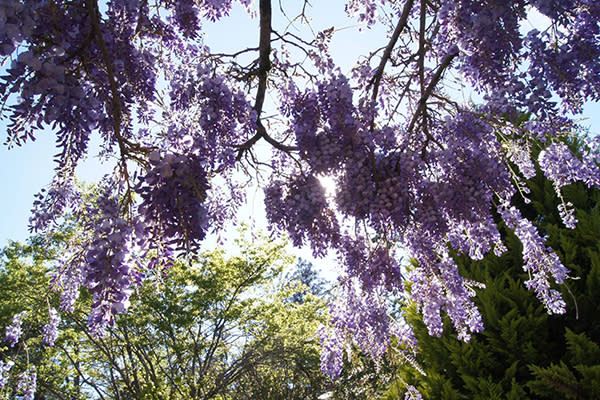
x: 540, y: 261
x: 303, y: 212
x: 173, y: 192
x: 14, y: 330
x: 50, y: 330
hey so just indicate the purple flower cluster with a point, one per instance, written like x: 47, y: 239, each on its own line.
x: 5, y: 368
x: 68, y: 279
x: 501, y: 60
x: 14, y: 330
x: 562, y: 167
x: 210, y: 116
x: 412, y: 393
x: 173, y: 192
x: 27, y: 383
x: 50, y: 204
x: 365, y: 10
x: 320, y: 54
x: 377, y: 188
x: 439, y: 287
x: 332, y: 352
x: 18, y: 23
x: 540, y: 261
x: 475, y: 239
x: 325, y: 124
x: 520, y: 155
x: 216, y: 9
x: 487, y: 36
x: 553, y: 8
x: 567, y: 214
x: 109, y: 272
x: 104, y: 263
x: 185, y: 15
x: 304, y: 213
x: 565, y: 59
x: 50, y: 330
x: 374, y: 267
x: 429, y: 200
x: 361, y: 317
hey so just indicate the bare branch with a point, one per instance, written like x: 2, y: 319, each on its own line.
x: 264, y: 65
x: 432, y: 84
x: 376, y: 80
x: 115, y: 108
x: 82, y: 376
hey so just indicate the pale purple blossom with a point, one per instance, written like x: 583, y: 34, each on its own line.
x: 332, y: 352
x: 50, y: 330
x: 412, y: 393
x: 14, y: 330
x: 541, y: 262
x: 27, y: 383
x: 562, y: 167
x: 5, y: 368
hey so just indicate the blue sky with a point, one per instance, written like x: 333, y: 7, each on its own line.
x: 25, y: 170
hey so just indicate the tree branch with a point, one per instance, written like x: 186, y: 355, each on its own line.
x: 126, y: 147
x: 264, y: 60
x: 115, y: 108
x: 264, y: 66
x: 75, y: 365
x: 422, y: 21
x: 432, y: 84
x: 376, y: 79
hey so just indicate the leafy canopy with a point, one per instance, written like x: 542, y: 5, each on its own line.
x: 228, y: 326
x: 523, y: 353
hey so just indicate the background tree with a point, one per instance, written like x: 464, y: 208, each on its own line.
x: 25, y: 280
x: 222, y: 326
x: 524, y: 352
x: 217, y: 328
x: 305, y: 274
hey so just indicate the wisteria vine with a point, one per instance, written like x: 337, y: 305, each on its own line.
x: 414, y: 168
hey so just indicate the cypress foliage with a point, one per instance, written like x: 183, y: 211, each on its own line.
x: 524, y: 353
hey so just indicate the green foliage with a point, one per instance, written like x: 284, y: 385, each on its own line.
x: 575, y: 377
x: 361, y: 377
x: 225, y: 326
x: 25, y: 282
x: 524, y: 353
x: 220, y: 329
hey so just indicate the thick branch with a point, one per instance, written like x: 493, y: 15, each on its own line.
x: 376, y: 80
x: 264, y: 61
x: 125, y: 146
x: 422, y: 21
x: 264, y: 65
x: 115, y: 103
x: 429, y: 90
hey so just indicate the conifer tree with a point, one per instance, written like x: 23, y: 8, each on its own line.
x: 523, y: 353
